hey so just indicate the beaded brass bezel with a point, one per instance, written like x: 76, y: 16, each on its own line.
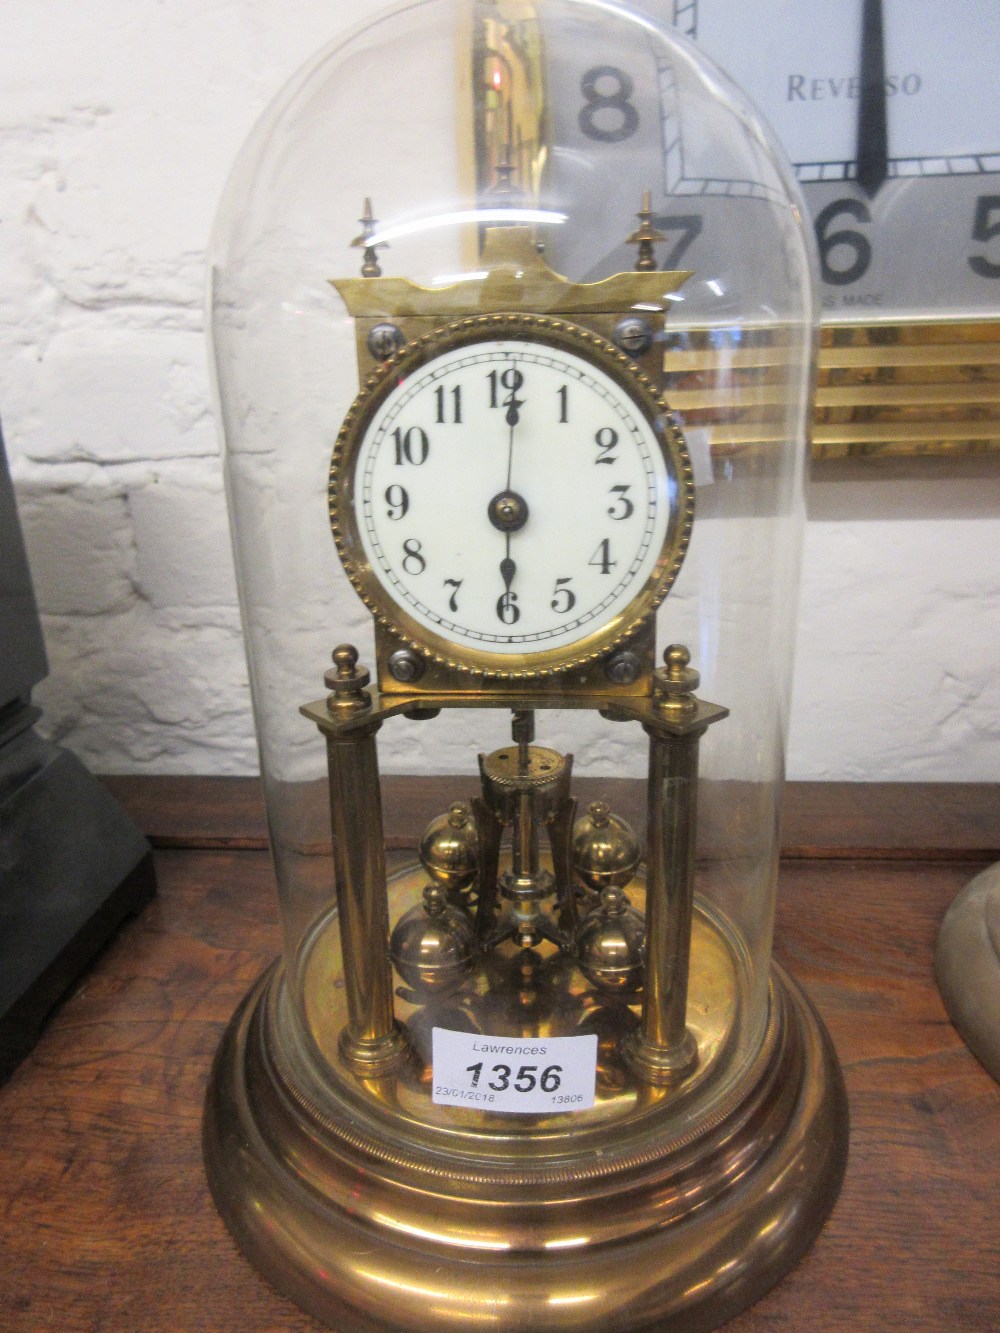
x: 390, y: 614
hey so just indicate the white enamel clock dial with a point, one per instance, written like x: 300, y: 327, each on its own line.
x: 510, y: 497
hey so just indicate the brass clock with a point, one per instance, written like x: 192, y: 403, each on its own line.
x: 543, y: 1075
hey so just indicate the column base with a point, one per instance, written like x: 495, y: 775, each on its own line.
x: 662, y: 1068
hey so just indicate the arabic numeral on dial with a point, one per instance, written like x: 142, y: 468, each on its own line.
x: 510, y: 379
x: 562, y: 393
x: 441, y: 396
x: 563, y: 597
x: 985, y: 226
x: 397, y: 501
x: 454, y: 585
x: 508, y: 611
x: 606, y: 440
x: 601, y: 558
x: 852, y: 241
x: 623, y: 507
x: 413, y: 559
x: 412, y: 446
x: 607, y: 115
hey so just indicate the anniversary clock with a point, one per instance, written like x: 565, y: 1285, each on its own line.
x: 541, y: 1072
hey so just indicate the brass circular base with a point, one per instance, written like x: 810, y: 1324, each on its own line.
x: 677, y: 1218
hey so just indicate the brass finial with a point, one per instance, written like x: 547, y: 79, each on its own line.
x: 600, y: 813
x: 458, y: 814
x: 345, y: 659
x: 434, y: 900
x: 347, y: 681
x: 504, y: 192
x: 370, y: 265
x: 675, y: 682
x: 645, y: 236
x: 613, y: 901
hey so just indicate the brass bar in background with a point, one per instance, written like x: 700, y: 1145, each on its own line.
x: 883, y: 390
x: 903, y: 390
x: 508, y: 96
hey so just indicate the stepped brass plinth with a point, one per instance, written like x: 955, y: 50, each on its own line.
x: 662, y: 1208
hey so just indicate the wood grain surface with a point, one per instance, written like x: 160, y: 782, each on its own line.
x: 106, y: 1220
x: 926, y: 820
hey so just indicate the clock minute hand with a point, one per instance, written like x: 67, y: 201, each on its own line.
x: 872, y: 165
x: 512, y: 416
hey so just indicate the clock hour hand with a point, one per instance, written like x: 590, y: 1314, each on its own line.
x: 507, y: 568
x: 508, y: 512
x: 872, y: 166
x: 513, y: 414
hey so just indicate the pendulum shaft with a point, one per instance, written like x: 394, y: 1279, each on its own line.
x: 524, y: 845
x: 524, y: 787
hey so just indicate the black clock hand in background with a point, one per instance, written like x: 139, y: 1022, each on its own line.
x: 873, y: 138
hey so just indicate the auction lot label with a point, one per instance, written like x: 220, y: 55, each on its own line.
x: 540, y: 1075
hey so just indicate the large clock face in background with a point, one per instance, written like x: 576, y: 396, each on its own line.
x: 889, y: 112
x: 922, y: 235
x: 909, y: 85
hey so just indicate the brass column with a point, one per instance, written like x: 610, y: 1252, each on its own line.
x: 663, y: 1050
x: 372, y: 1043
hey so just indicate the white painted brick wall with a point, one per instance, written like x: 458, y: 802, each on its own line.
x: 119, y: 121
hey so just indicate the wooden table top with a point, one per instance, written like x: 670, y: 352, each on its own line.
x: 106, y: 1220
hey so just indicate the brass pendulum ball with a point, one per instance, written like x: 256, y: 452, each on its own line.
x: 611, y: 945
x: 433, y: 944
x: 606, y: 852
x: 449, y: 850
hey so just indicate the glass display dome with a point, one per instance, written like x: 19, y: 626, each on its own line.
x: 516, y: 299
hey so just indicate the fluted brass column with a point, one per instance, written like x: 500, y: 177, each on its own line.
x: 663, y: 1050
x: 372, y: 1043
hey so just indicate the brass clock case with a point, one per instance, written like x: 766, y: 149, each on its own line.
x: 472, y: 660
